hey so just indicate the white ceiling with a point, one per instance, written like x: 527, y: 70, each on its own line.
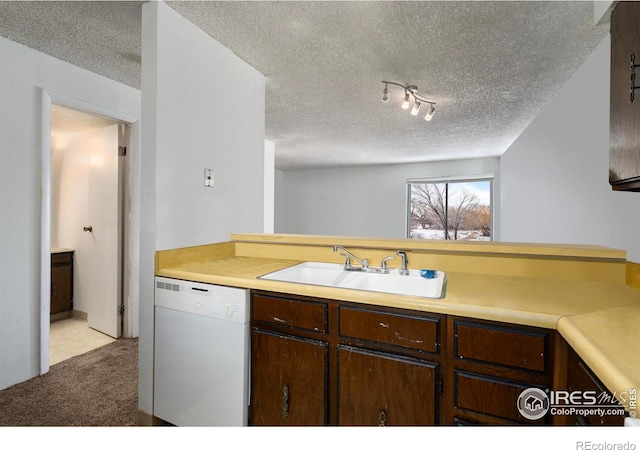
x: 490, y: 66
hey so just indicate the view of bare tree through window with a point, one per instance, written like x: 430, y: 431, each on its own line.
x: 450, y: 210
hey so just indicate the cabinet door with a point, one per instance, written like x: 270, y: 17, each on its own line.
x: 624, y: 132
x: 61, y: 282
x: 60, y: 289
x: 377, y: 388
x: 581, y: 379
x: 288, y: 381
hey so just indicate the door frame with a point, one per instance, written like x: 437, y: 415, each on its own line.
x: 131, y: 260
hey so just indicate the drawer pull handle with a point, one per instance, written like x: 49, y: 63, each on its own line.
x: 382, y: 419
x: 285, y: 401
x: 199, y: 289
x: 632, y: 94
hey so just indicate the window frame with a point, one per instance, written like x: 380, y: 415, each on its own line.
x: 447, y: 180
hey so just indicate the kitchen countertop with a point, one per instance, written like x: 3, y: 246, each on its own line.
x: 598, y: 319
x: 61, y: 250
x: 607, y: 342
x: 519, y: 300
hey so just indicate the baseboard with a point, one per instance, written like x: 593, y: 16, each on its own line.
x: 59, y: 316
x: 79, y: 315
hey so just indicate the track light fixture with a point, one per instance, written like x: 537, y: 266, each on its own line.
x: 410, y: 91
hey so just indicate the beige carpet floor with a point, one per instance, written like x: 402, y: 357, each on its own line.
x: 98, y: 388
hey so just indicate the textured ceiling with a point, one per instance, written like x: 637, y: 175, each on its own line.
x: 490, y: 66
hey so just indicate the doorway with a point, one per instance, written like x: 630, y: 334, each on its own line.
x: 86, y: 209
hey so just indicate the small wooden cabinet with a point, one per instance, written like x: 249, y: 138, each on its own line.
x: 388, y: 367
x: 491, y: 364
x: 324, y: 362
x: 61, y: 282
x: 624, y: 125
x: 289, y: 361
x: 290, y: 380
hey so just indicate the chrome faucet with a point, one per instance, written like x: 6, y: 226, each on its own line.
x: 383, y: 264
x: 403, y: 270
x: 348, y: 255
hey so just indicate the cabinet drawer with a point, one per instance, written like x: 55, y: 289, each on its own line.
x: 487, y: 395
x: 61, y: 258
x: 301, y: 314
x: 421, y: 333
x: 512, y: 347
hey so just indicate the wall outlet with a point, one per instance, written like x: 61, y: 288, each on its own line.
x: 208, y: 177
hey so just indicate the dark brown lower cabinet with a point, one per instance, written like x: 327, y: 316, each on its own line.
x: 587, y: 389
x: 61, y: 282
x: 328, y: 362
x: 491, y: 364
x: 289, y: 384
x: 378, y: 388
x: 319, y: 361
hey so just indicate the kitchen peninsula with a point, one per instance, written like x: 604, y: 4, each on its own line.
x: 557, y: 301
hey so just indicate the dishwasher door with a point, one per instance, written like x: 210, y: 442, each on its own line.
x: 201, y: 364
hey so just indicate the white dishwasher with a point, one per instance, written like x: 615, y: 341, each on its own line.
x: 201, y: 355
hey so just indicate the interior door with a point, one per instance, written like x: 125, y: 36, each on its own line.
x: 105, y: 233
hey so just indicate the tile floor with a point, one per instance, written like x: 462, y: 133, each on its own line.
x: 72, y: 337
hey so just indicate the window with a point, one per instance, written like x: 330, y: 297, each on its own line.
x: 457, y: 209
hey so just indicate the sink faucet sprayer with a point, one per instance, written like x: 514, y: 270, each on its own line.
x: 403, y: 270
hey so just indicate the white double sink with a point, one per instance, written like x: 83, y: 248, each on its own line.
x: 334, y: 275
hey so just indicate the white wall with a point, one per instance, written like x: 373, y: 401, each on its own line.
x: 280, y: 218
x: 210, y: 114
x: 24, y: 72
x: 203, y: 108
x: 269, y: 186
x: 555, y: 175
x: 362, y: 201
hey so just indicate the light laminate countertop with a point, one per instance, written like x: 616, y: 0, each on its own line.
x: 61, y: 250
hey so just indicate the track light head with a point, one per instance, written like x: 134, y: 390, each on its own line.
x: 416, y: 108
x: 430, y: 113
x: 405, y: 103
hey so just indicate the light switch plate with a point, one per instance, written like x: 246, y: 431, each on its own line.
x: 208, y: 177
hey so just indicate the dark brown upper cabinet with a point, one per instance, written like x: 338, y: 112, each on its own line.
x: 624, y: 125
